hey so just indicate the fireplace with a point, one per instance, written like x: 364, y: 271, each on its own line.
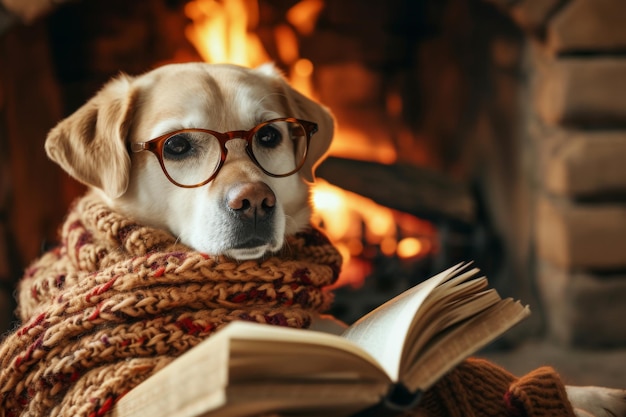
x: 439, y: 155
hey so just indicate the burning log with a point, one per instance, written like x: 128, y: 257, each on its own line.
x: 407, y: 188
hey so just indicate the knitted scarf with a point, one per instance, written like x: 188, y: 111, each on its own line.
x: 117, y: 301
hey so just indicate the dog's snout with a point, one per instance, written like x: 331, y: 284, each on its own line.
x: 252, y: 210
x: 251, y: 199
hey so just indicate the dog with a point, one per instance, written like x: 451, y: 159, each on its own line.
x: 222, y: 157
x: 245, y: 211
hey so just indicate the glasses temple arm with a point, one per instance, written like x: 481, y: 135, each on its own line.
x: 138, y: 146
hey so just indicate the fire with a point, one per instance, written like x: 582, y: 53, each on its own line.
x: 224, y: 32
x: 353, y: 221
x: 220, y: 31
x: 303, y: 15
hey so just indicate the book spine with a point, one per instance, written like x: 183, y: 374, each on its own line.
x: 397, y: 401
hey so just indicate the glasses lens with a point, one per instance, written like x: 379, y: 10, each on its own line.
x: 280, y: 147
x: 191, y: 157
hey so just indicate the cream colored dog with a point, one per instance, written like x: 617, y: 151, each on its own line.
x: 243, y: 212
x: 217, y: 155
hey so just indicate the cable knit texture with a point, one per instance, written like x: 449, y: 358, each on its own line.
x: 117, y: 301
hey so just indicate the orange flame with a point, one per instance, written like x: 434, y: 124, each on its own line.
x: 343, y: 214
x: 220, y: 31
x: 303, y: 15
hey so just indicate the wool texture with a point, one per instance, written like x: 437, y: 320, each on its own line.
x: 479, y: 388
x: 117, y: 301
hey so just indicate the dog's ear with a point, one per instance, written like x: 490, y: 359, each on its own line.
x: 91, y: 145
x: 306, y: 109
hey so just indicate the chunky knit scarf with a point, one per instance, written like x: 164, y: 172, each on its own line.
x: 116, y: 301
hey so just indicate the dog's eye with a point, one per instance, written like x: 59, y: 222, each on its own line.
x: 176, y: 146
x: 269, y: 137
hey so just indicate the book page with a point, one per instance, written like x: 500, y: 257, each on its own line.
x: 293, y: 360
x: 298, y: 366
x: 326, y: 398
x: 280, y: 337
x: 452, y: 313
x: 382, y: 333
x: 442, y: 300
x: 456, y: 344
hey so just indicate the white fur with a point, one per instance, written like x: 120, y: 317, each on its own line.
x: 597, y: 401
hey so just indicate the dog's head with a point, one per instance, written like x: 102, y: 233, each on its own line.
x: 150, y: 143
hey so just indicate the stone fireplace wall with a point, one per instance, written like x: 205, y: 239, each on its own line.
x: 576, y: 130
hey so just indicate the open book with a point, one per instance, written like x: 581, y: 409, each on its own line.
x: 386, y: 359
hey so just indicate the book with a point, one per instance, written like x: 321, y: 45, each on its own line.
x: 384, y: 361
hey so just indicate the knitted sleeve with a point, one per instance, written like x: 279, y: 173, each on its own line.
x: 479, y: 388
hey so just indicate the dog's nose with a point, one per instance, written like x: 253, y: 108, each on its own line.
x: 251, y: 199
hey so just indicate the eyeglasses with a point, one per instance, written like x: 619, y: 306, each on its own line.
x: 193, y: 157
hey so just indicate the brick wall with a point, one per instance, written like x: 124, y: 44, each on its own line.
x: 577, y: 130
